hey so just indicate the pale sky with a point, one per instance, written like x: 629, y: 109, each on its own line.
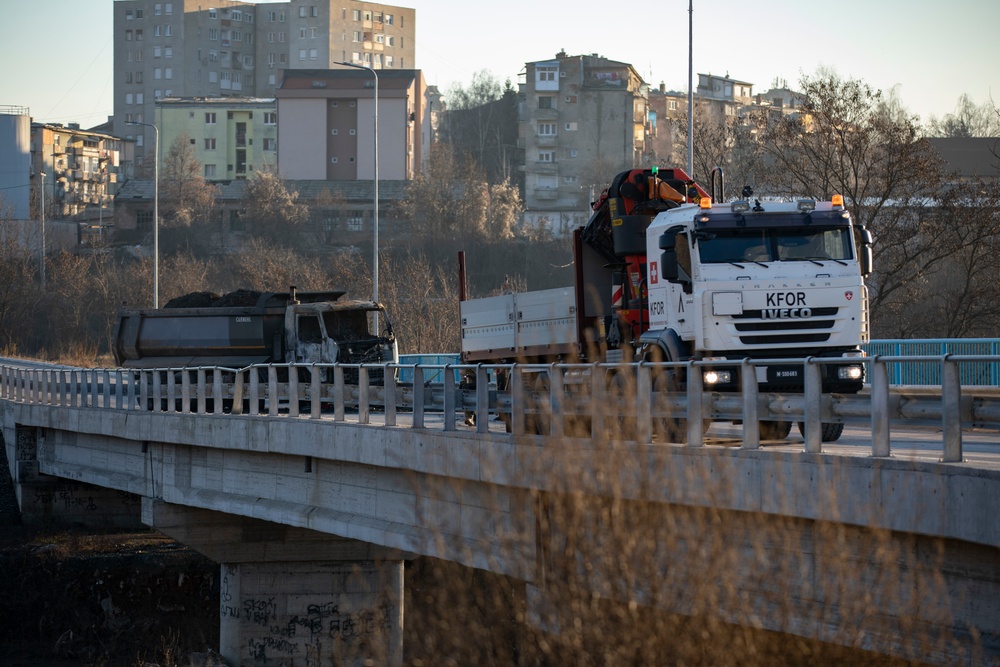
x: 57, y: 54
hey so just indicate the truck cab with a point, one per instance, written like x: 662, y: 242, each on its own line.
x: 764, y: 281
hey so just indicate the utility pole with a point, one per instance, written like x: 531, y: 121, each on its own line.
x: 41, y: 211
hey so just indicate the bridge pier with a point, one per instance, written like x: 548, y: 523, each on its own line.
x: 293, y: 596
x: 46, y: 499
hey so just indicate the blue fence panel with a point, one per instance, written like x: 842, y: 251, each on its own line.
x: 433, y: 376
x: 922, y: 372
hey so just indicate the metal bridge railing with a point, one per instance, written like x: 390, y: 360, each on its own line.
x: 637, y: 402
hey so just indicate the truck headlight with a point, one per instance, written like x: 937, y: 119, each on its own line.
x: 850, y: 372
x: 717, y: 377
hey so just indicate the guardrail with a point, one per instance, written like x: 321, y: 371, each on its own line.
x: 624, y: 401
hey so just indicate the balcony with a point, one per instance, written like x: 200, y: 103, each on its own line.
x: 546, y: 114
x: 546, y: 140
x: 546, y: 194
x: 539, y: 167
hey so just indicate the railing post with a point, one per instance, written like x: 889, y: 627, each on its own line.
x: 155, y: 378
x: 293, y: 391
x: 106, y: 379
x: 557, y: 399
x: 74, y: 389
x: 812, y: 396
x: 880, y: 407
x: 516, y: 400
x: 272, y: 390
x: 315, y: 392
x: 254, y: 390
x: 482, y: 399
x: 185, y: 391
x: 338, y: 393
x: 364, y: 397
x: 418, y: 396
x: 951, y: 410
x: 95, y: 388
x: 599, y: 401
x: 644, y: 404
x: 448, y: 380
x: 238, y: 390
x: 217, y: 390
x: 389, y: 393
x: 202, y: 391
x: 751, y: 411
x: 695, y: 394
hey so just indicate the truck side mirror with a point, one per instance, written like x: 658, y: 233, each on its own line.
x: 865, y: 255
x: 669, y: 267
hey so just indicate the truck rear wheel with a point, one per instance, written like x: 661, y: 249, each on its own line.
x: 831, y: 431
x: 774, y: 430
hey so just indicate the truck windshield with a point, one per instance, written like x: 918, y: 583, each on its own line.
x: 347, y: 325
x: 775, y: 244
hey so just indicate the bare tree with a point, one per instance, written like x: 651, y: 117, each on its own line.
x: 481, y: 124
x: 271, y: 211
x: 968, y: 120
x: 186, y: 194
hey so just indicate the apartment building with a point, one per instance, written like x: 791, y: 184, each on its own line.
x: 581, y: 116
x: 83, y: 169
x: 189, y: 48
x: 231, y: 136
x: 326, y: 124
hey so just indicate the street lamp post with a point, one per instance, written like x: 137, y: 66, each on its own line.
x: 41, y: 211
x: 375, y: 182
x: 156, y: 211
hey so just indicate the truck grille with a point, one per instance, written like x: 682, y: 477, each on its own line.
x: 755, y: 329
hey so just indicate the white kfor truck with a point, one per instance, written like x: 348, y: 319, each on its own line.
x: 662, y: 274
x: 760, y: 281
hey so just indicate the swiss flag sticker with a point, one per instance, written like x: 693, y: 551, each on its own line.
x: 654, y: 273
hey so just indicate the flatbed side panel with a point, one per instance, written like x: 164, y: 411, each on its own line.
x: 487, y: 325
x: 546, y: 319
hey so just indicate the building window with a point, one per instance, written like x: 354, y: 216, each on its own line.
x: 270, y: 144
x: 546, y: 102
x: 312, y: 54
x: 302, y: 54
x: 144, y: 220
x: 168, y: 73
x: 545, y: 73
x: 209, y: 144
x: 213, y: 56
x: 357, y: 35
x: 213, y: 34
x: 546, y: 129
x: 281, y: 38
x: 546, y: 156
x: 213, y: 14
x: 313, y: 11
x: 157, y: 9
x: 270, y: 38
x: 209, y: 171
x: 157, y: 73
x: 270, y: 118
x: 128, y: 77
x: 128, y: 35
x: 128, y: 15
x: 390, y: 40
x: 139, y: 13
x: 672, y: 105
x: 388, y: 19
x: 302, y: 12
x: 571, y: 127
x: 168, y: 8
x: 157, y: 31
x: 210, y: 118
x: 356, y: 221
x: 302, y: 33
x: 138, y: 98
x: 168, y: 52
x: 138, y: 35
x: 156, y: 52
x: 356, y: 14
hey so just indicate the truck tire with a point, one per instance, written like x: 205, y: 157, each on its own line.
x: 770, y: 430
x: 831, y: 431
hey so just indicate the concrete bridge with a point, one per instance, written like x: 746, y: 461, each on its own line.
x: 312, y: 513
